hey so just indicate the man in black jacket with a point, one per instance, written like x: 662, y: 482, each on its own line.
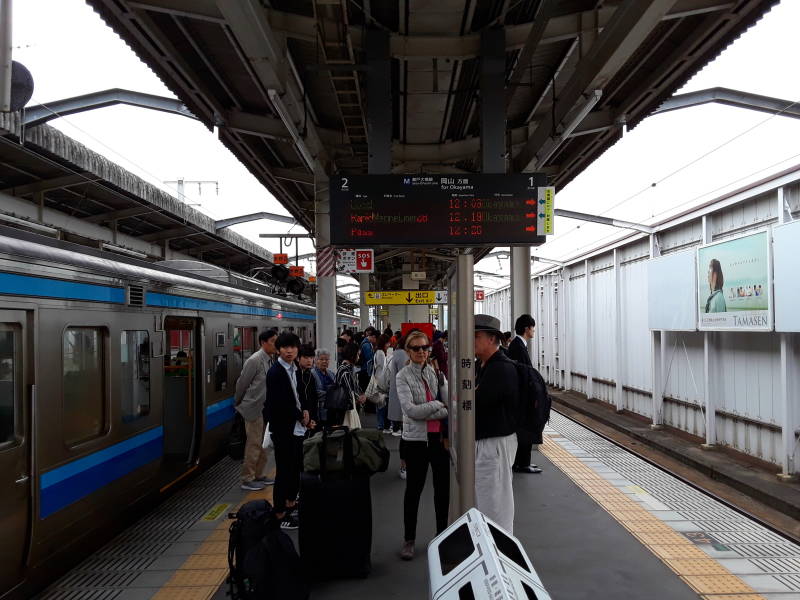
x: 496, y: 417
x: 288, y: 420
x: 518, y: 352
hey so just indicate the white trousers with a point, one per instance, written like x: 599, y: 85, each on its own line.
x: 494, y: 495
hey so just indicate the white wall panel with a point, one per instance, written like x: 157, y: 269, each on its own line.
x: 745, y: 365
x: 577, y: 324
x: 602, y: 306
x: 749, y: 375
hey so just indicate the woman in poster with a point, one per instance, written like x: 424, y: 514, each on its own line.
x: 716, y: 301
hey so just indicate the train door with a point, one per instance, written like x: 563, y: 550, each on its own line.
x: 182, y: 392
x: 15, y: 465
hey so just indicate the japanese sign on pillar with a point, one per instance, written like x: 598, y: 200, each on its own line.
x: 480, y: 295
x: 355, y: 261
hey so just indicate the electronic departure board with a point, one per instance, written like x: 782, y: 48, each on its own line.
x: 440, y: 210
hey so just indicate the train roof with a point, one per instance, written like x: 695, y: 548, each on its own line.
x: 23, y: 244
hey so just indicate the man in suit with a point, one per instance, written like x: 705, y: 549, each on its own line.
x: 518, y: 352
x: 288, y: 420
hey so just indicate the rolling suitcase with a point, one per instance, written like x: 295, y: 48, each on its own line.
x: 335, y: 532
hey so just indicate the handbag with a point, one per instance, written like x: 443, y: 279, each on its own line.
x: 267, y: 441
x: 374, y: 394
x: 351, y: 419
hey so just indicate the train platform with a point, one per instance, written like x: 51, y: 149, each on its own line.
x: 599, y: 522
x: 757, y: 479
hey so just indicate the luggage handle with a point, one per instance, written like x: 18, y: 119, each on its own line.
x: 347, y: 450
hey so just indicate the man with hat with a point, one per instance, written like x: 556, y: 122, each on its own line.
x: 496, y: 401
x: 518, y: 352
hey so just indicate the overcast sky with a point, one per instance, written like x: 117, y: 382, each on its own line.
x: 70, y: 51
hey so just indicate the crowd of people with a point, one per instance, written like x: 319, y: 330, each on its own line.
x: 283, y: 387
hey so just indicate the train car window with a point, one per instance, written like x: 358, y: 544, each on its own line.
x: 134, y: 389
x: 220, y: 372
x: 244, y: 344
x: 8, y: 386
x: 83, y: 384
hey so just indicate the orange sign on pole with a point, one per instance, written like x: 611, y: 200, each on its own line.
x: 296, y: 271
x: 280, y: 259
x: 312, y: 279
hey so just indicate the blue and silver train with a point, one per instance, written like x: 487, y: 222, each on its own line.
x: 116, y: 382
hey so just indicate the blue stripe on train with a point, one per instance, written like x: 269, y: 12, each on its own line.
x: 219, y: 413
x: 170, y: 301
x: 25, y: 285
x: 77, y: 479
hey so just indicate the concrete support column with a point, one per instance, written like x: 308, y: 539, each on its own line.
x: 326, y: 285
x: 566, y: 344
x: 709, y: 352
x: 464, y: 383
x: 6, y: 22
x: 521, y: 301
x: 363, y: 309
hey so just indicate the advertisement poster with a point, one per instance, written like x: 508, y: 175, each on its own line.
x: 734, y: 284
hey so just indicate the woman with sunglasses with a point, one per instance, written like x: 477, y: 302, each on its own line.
x: 423, y: 437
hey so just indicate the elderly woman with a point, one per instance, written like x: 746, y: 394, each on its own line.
x: 324, y: 377
x: 424, y: 434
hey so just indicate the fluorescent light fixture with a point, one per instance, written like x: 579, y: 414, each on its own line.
x: 121, y: 250
x: 288, y: 122
x: 29, y: 224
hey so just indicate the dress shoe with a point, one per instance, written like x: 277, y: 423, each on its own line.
x: 528, y: 469
x: 407, y: 553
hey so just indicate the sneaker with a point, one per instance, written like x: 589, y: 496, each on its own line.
x: 407, y: 552
x: 397, y: 433
x: 402, y: 473
x: 252, y: 486
x: 265, y: 481
x: 387, y: 431
x: 289, y: 522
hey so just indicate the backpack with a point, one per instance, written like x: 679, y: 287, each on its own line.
x: 337, y: 397
x: 262, y: 560
x: 237, y: 437
x: 534, y: 401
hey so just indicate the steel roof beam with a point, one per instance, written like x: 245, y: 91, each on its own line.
x: 729, y: 97
x: 166, y: 234
x: 631, y: 23
x: 53, y: 183
x: 222, y: 224
x: 118, y: 215
x: 36, y: 115
x: 557, y: 29
x: 249, y: 24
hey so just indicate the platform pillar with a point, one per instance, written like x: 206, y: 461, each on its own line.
x: 589, y: 371
x: 464, y: 382
x: 709, y: 350
x: 521, y: 301
x: 619, y: 398
x: 363, y: 309
x: 5, y: 54
x: 326, y: 284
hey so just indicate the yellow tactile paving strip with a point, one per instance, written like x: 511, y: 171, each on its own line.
x: 201, y: 574
x: 700, y: 572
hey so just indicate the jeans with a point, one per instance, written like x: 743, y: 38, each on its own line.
x: 418, y: 456
x: 382, y: 414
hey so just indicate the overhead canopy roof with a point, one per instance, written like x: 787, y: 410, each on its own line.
x: 616, y: 59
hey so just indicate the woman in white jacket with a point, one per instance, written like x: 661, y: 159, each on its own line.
x: 424, y: 435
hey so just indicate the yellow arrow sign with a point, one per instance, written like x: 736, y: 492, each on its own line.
x: 406, y: 297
